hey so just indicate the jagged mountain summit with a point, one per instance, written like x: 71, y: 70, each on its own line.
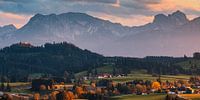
x: 171, y: 21
x: 165, y: 35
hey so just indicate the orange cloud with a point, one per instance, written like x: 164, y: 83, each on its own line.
x: 131, y: 20
x: 10, y: 18
x: 171, y: 5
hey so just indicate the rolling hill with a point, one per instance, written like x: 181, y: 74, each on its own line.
x: 20, y: 60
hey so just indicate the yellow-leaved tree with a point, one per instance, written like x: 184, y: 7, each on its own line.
x: 156, y: 86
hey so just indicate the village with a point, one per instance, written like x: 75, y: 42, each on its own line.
x: 102, y: 87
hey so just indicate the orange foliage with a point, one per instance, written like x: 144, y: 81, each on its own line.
x: 98, y: 90
x: 70, y: 95
x: 62, y: 83
x: 139, y: 87
x: 79, y: 90
x: 42, y: 87
x: 155, y: 85
x: 53, y: 95
x: 93, y: 85
x: 36, y: 96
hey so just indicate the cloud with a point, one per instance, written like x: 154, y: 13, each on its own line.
x: 89, y: 1
x: 146, y: 7
x: 117, y: 10
x: 148, y: 1
x: 131, y: 20
x: 60, y: 6
x: 9, y: 18
x: 171, y: 5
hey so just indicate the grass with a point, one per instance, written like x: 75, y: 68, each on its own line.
x: 144, y: 77
x: 104, y: 69
x: 21, y: 91
x: 191, y: 96
x: 149, y: 77
x: 17, y: 84
x: 18, y: 87
x: 135, y: 74
x: 140, y: 97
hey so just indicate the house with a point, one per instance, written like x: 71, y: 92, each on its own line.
x: 101, y: 76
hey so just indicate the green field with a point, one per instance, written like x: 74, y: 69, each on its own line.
x: 135, y: 74
x: 18, y: 87
x: 131, y: 77
x: 17, y: 84
x: 105, y: 69
x: 140, y: 97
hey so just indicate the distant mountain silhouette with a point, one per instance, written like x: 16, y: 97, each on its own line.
x: 172, y: 34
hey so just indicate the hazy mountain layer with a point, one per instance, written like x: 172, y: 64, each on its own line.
x: 171, y: 35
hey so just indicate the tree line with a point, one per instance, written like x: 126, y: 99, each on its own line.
x: 20, y: 60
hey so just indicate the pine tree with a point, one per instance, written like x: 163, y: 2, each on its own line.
x: 2, y: 87
x: 66, y: 76
x: 114, y: 71
x: 95, y: 71
x: 8, y: 88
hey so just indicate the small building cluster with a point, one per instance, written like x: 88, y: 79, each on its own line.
x: 103, y: 89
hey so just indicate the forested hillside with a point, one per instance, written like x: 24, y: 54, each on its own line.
x: 23, y: 59
x: 20, y: 60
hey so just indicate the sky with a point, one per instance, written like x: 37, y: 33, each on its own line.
x: 126, y: 12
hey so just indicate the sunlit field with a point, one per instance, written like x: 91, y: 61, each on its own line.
x: 18, y: 84
x: 140, y: 97
x: 191, y: 96
x: 149, y: 77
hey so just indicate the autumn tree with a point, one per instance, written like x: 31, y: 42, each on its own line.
x: 69, y: 95
x: 42, y: 87
x: 79, y: 90
x: 53, y: 95
x: 36, y: 96
x: 156, y: 86
x: 139, y: 89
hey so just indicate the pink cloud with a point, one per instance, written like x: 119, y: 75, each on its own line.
x: 131, y: 20
x: 171, y: 5
x: 10, y: 18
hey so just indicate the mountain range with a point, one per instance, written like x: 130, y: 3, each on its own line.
x: 170, y: 35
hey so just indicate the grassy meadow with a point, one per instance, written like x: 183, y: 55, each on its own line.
x: 140, y: 97
x: 131, y: 77
x: 135, y: 74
